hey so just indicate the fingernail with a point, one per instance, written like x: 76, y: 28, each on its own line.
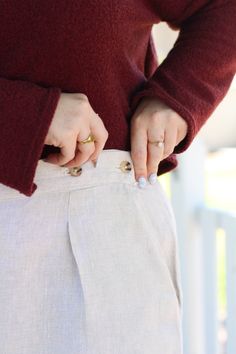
x: 94, y: 163
x: 152, y: 178
x: 142, y: 182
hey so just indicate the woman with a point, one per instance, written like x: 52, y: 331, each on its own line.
x: 88, y: 260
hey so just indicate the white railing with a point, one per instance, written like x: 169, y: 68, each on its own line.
x: 210, y: 221
x: 196, y: 227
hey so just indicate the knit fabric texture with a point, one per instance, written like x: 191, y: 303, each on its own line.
x: 105, y: 50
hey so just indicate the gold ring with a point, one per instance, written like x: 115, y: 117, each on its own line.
x: 89, y: 139
x: 157, y: 143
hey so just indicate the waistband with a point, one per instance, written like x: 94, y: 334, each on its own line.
x: 109, y: 161
x: 113, y: 166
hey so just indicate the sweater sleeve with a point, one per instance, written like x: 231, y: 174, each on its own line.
x: 26, y: 111
x: 198, y: 71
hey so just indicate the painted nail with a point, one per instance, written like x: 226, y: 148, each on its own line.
x: 142, y: 182
x: 94, y: 163
x: 152, y: 178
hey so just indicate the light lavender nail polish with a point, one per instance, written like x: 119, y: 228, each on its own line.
x: 142, y: 182
x: 152, y: 178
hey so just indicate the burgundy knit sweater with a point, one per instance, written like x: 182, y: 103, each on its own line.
x: 104, y: 49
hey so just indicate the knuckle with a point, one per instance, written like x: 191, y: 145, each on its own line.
x: 155, y: 117
x: 54, y: 140
x: 138, y: 154
x: 69, y: 135
x: 105, y: 135
x: 137, y: 122
x: 101, y: 132
x: 154, y: 158
x: 81, y: 105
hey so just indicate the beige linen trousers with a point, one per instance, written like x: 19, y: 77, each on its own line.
x: 89, y: 263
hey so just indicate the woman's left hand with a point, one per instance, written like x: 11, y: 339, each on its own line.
x: 153, y: 121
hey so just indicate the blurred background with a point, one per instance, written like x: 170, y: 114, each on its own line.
x: 202, y: 190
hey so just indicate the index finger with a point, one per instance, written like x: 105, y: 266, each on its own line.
x: 139, y: 152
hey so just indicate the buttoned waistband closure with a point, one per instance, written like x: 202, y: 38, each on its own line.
x: 113, y: 166
x: 110, y: 160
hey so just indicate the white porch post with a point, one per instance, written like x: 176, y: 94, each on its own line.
x: 187, y: 194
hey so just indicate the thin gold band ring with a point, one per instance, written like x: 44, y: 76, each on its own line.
x: 157, y: 143
x: 89, y: 139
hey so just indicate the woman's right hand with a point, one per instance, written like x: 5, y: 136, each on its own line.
x: 74, y: 119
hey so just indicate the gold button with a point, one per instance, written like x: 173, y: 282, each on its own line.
x: 75, y: 171
x: 125, y: 166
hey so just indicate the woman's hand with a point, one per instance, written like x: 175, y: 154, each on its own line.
x: 153, y: 121
x: 73, y: 121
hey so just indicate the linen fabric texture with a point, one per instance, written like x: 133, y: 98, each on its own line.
x: 89, y: 264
